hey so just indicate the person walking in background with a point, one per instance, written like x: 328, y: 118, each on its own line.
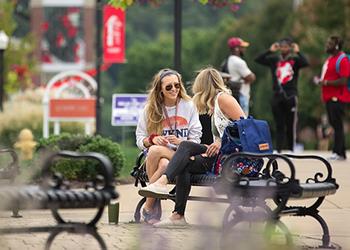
x: 169, y: 117
x: 285, y: 67
x: 241, y: 75
x: 334, y: 83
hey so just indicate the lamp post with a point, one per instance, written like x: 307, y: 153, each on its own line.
x: 98, y: 59
x: 177, y: 34
x: 4, y: 39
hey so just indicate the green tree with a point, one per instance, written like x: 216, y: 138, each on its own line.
x: 205, y: 34
x: 19, y: 54
x: 145, y: 59
x: 260, y: 31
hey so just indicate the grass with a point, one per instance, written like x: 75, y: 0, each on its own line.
x: 130, y: 156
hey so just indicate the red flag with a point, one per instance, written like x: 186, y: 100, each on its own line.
x: 113, y: 35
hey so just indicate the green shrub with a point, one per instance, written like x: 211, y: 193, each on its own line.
x: 64, y: 141
x: 82, y: 169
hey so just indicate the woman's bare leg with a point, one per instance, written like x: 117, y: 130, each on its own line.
x: 155, y: 153
x: 156, y: 162
x: 162, y: 165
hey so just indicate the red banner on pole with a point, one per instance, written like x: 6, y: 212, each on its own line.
x: 113, y: 35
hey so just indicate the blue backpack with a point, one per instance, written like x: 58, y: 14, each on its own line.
x: 245, y: 135
x: 337, y: 66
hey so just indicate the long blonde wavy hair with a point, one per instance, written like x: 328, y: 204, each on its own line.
x: 155, y: 100
x: 205, y: 87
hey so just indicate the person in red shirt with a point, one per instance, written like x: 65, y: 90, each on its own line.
x: 333, y: 85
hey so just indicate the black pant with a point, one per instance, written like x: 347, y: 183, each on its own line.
x: 207, y: 135
x: 285, y: 115
x: 335, y: 112
x: 181, y: 167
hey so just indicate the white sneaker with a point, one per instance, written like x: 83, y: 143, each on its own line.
x: 155, y: 191
x: 166, y: 223
x: 336, y: 157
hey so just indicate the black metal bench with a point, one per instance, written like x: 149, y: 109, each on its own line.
x: 54, y: 193
x: 276, y: 182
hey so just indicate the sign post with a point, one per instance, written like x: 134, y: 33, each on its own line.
x: 60, y: 108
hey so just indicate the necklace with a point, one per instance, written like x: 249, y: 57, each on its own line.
x: 172, y: 131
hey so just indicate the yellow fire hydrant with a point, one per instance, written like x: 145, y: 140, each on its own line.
x: 26, y: 144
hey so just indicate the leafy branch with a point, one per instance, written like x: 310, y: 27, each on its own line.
x: 232, y: 4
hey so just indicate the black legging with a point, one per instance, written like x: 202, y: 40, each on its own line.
x: 181, y: 167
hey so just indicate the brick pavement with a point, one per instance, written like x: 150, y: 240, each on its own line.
x: 205, y: 219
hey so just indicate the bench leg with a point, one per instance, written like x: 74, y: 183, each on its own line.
x: 15, y: 213
x: 137, y: 213
x: 274, y: 221
x: 314, y: 213
x: 325, y: 237
x: 75, y: 229
x: 270, y: 229
x: 92, y: 223
x: 235, y: 214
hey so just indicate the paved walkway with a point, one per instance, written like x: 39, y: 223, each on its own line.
x: 205, y: 220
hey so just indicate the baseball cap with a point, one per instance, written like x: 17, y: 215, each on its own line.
x: 236, y: 41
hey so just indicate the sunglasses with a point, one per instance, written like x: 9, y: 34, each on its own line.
x: 170, y: 86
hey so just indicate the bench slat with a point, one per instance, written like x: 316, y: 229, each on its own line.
x: 34, y: 197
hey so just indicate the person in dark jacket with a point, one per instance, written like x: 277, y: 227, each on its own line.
x: 285, y: 61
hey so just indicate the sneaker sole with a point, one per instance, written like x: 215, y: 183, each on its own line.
x: 148, y: 193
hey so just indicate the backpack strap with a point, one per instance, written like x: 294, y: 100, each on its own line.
x: 337, y: 64
x: 138, y: 172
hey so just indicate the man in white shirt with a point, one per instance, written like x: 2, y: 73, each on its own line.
x: 239, y: 71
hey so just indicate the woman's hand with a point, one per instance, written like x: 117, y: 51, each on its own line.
x: 173, y: 139
x: 213, y: 149
x: 160, y: 140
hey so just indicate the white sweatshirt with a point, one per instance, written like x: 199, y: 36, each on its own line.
x: 188, y: 126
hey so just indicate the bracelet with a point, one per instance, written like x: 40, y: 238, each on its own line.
x: 150, y: 138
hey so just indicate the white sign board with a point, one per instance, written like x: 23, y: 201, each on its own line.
x: 126, y: 108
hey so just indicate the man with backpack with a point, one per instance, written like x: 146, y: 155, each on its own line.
x: 241, y: 75
x: 334, y: 77
x: 285, y: 60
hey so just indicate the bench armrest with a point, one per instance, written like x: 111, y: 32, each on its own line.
x: 317, y: 175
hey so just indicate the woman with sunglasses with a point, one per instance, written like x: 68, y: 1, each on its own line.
x: 169, y: 117
x: 210, y: 97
